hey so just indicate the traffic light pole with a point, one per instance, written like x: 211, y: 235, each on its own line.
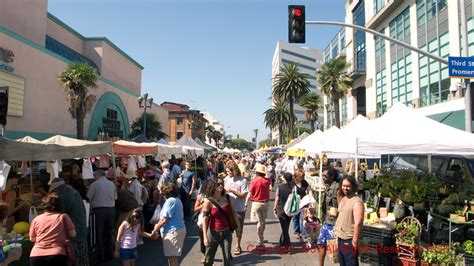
x: 383, y: 36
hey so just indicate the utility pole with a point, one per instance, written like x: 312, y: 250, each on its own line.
x: 465, y: 53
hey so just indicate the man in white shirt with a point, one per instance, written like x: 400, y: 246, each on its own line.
x: 289, y: 166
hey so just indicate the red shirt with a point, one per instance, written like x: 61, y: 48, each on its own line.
x: 260, y: 189
x: 219, y: 221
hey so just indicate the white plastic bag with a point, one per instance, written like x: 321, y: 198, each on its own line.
x: 292, y: 204
x: 33, y: 213
x: 156, y: 215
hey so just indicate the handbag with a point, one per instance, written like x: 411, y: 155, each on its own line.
x: 291, y: 207
x: 71, y: 258
x: 156, y: 214
x: 230, y: 218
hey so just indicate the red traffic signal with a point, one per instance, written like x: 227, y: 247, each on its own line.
x: 296, y: 24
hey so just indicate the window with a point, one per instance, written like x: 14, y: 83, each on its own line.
x: 433, y: 36
x: 400, y: 59
x: 179, y: 120
x: 179, y: 135
x: 111, y: 126
x: 359, y: 37
x: 380, y: 76
x: 378, y: 5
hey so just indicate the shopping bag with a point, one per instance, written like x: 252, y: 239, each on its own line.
x: 291, y: 207
x: 332, y: 251
x: 33, y: 213
x: 156, y: 215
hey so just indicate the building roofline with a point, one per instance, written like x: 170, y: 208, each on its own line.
x: 82, y: 37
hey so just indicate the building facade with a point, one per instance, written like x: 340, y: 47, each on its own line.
x: 40, y: 47
x: 385, y: 73
x: 218, y: 126
x: 309, y: 61
x: 184, y: 121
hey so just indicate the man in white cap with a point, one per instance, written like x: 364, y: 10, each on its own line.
x: 139, y: 192
x: 259, y: 194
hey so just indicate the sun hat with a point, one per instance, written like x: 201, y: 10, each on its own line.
x: 261, y: 169
x: 130, y: 175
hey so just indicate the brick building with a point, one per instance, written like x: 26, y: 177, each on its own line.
x: 184, y: 121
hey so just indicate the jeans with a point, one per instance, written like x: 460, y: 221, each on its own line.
x: 296, y: 221
x: 222, y: 239
x: 104, y: 229
x: 346, y: 253
x: 53, y: 260
x: 285, y: 227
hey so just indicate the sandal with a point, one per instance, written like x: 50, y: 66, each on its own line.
x: 237, y: 251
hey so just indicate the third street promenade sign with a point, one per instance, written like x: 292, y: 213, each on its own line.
x: 461, y: 67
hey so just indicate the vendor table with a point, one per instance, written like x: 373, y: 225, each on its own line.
x: 26, y: 246
x: 451, y: 222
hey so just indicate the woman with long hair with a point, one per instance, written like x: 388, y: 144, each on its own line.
x: 282, y: 193
x: 49, y: 232
x: 216, y: 224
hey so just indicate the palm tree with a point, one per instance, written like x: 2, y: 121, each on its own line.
x: 335, y: 82
x: 290, y: 85
x: 209, y: 132
x: 312, y: 102
x: 76, y: 80
x: 278, y: 117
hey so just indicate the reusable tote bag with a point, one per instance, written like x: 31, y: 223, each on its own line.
x: 292, y: 203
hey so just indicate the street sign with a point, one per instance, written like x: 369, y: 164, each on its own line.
x: 461, y: 67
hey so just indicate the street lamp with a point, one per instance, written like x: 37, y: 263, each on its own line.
x: 144, y: 102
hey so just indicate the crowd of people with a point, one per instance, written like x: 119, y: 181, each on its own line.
x: 110, y: 216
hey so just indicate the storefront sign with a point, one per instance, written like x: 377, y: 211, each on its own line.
x: 6, y: 56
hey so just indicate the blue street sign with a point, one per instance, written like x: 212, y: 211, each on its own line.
x: 461, y: 67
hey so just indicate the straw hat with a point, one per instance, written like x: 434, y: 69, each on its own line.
x: 261, y: 169
x: 130, y: 175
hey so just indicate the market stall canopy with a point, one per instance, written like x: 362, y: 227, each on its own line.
x: 190, y: 146
x: 404, y: 131
x: 297, y: 140
x: 133, y: 148
x: 205, y: 145
x: 162, y: 141
x: 140, y: 139
x: 166, y: 150
x: 29, y: 139
x: 57, y: 147
x: 229, y: 150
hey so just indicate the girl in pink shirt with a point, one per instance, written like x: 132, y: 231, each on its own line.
x: 126, y: 245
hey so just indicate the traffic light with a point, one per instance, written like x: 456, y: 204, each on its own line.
x: 296, y: 24
x: 3, y: 105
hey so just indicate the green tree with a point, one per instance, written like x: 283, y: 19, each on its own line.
x: 335, y: 82
x: 278, y: 116
x: 240, y: 144
x: 312, y: 102
x: 153, y: 127
x: 290, y: 85
x: 77, y: 79
x: 269, y: 142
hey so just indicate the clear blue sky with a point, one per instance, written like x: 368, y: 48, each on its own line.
x: 214, y: 56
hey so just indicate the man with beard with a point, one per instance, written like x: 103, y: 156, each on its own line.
x: 329, y: 201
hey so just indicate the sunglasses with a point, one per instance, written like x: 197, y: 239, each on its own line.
x: 136, y: 216
x: 219, y: 184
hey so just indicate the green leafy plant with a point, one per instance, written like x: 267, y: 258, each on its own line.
x: 440, y: 254
x: 407, y: 233
x: 468, y: 247
x: 445, y: 210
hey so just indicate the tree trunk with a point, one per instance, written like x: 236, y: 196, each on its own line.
x: 292, y: 115
x: 336, y: 113
x: 79, y: 123
x: 280, y: 135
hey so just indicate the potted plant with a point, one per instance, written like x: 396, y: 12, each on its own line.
x: 408, y: 237
x: 468, y: 248
x: 461, y: 216
x: 439, y: 255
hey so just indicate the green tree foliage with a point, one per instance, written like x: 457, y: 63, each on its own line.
x: 214, y: 134
x: 312, y: 102
x: 278, y: 117
x: 240, y: 144
x: 268, y: 142
x: 76, y: 80
x: 289, y: 86
x: 335, y: 82
x: 153, y: 127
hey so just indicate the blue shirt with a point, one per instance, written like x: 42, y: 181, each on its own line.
x: 187, y: 180
x: 173, y: 211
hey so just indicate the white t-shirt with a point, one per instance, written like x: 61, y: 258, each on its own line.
x: 289, y: 166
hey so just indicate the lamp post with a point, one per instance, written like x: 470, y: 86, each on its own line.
x: 144, y: 102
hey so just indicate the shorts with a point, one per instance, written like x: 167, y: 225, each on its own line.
x: 173, y: 242
x: 128, y: 253
x: 327, y: 232
x: 259, y: 211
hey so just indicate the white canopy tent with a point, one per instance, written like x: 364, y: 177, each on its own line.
x: 189, y: 146
x: 297, y: 140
